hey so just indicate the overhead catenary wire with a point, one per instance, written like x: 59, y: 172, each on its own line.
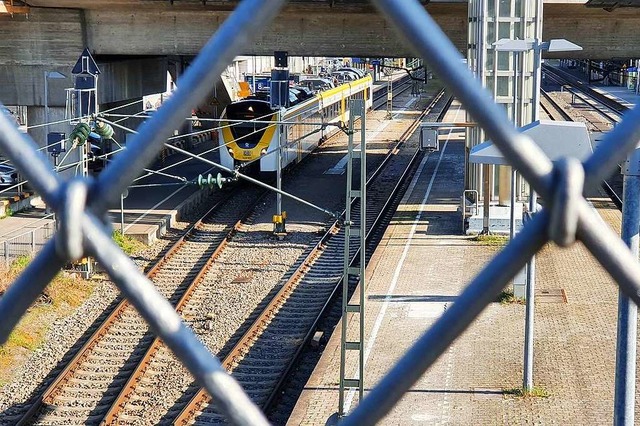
x: 235, y: 173
x: 271, y: 124
x: 239, y: 175
x: 174, y: 138
x: 257, y: 120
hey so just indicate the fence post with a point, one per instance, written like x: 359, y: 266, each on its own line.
x: 33, y: 241
x: 6, y: 252
x: 627, y: 329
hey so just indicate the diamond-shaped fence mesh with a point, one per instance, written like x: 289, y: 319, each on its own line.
x: 81, y: 205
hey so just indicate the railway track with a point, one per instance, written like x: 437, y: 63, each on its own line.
x: 101, y: 378
x: 603, y: 99
x: 267, y: 351
x: 83, y: 391
x: 614, y: 184
x: 398, y: 87
x: 585, y: 97
x: 553, y: 109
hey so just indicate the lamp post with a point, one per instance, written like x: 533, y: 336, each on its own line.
x: 47, y: 75
x: 556, y: 45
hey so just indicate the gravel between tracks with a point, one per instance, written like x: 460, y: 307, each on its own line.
x: 220, y: 308
x: 64, y: 333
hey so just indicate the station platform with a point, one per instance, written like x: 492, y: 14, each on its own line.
x: 625, y: 96
x: 422, y: 264
x: 621, y: 94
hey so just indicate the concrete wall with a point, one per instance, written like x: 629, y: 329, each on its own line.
x: 46, y: 40
x: 52, y: 39
x: 176, y: 32
x: 361, y: 32
x: 602, y: 34
x: 131, y: 79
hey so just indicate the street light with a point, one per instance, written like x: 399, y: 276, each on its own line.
x: 47, y: 75
x: 556, y: 45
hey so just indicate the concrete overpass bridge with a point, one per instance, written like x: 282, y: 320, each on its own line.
x: 138, y: 40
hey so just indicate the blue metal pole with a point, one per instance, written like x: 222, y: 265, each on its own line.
x: 625, y: 380
x: 529, y: 310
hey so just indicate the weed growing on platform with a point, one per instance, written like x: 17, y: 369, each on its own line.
x: 59, y: 299
x: 127, y: 244
x: 506, y: 297
x: 535, y: 392
x: 492, y: 240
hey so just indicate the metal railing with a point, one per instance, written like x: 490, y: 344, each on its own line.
x: 81, y: 205
x: 29, y: 242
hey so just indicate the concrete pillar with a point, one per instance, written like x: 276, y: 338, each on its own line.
x: 36, y: 117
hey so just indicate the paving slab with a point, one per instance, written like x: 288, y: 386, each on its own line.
x: 419, y: 269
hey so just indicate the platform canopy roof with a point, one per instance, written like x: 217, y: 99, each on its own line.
x: 557, y: 139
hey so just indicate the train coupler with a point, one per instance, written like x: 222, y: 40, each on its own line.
x: 280, y: 225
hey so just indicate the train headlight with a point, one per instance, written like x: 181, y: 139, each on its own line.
x: 264, y: 151
x: 231, y: 152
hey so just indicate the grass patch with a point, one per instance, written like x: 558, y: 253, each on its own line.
x: 7, y: 212
x: 535, y: 392
x: 127, y: 244
x: 506, y: 297
x: 492, y: 240
x: 60, y: 298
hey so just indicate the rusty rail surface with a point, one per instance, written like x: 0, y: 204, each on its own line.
x: 63, y: 377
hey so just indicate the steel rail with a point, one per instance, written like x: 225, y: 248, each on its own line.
x: 242, y: 347
x: 55, y: 387
x: 558, y: 185
x: 565, y: 115
x: 82, y: 204
x: 375, y: 225
x: 403, y: 81
x: 111, y: 417
x: 610, y: 103
x: 615, y: 198
x: 580, y: 93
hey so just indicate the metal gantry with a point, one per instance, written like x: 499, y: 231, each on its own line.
x: 81, y: 205
x: 359, y: 230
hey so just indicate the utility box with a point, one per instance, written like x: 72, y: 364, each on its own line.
x: 429, y: 139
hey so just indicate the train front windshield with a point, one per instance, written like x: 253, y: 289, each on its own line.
x: 247, y: 133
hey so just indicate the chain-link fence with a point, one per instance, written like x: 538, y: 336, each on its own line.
x: 81, y: 205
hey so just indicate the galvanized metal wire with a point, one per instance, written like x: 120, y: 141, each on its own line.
x: 81, y: 205
x: 556, y: 184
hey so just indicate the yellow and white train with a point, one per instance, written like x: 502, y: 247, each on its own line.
x: 250, y: 136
